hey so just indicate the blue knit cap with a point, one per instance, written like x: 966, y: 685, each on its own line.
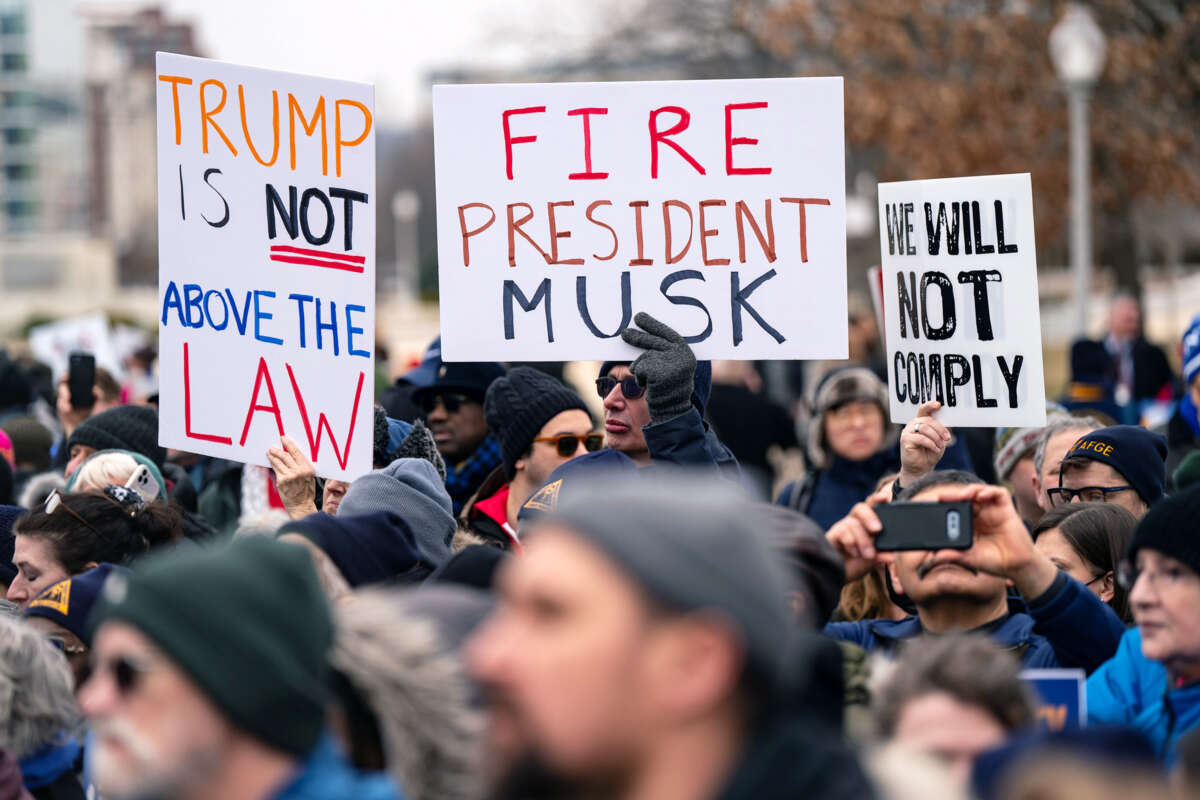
x: 69, y: 602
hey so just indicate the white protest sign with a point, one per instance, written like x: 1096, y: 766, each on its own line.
x: 961, y: 300
x: 266, y: 231
x: 53, y: 343
x: 716, y: 206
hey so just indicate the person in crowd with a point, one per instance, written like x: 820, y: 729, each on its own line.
x: 649, y: 665
x: 31, y: 442
x: 654, y: 406
x: 1087, y: 541
x: 1014, y: 462
x: 352, y: 550
x: 60, y: 612
x: 6, y: 483
x: 16, y: 388
x: 37, y: 712
x: 397, y: 398
x: 412, y: 489
x: 74, y: 532
x: 8, y: 518
x: 1183, y: 428
x: 107, y: 394
x: 403, y: 691
x: 1059, y: 623
x: 1092, y: 390
x: 453, y: 408
x: 1140, y: 369
x: 749, y: 422
x: 575, y: 476
x: 953, y: 697
x: 133, y: 428
x: 114, y: 467
x: 1055, y: 440
x: 539, y: 424
x: 1122, y: 464
x: 209, y: 681
x: 1152, y: 684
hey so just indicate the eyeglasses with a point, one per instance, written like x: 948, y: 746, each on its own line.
x: 127, y: 671
x: 568, y: 443
x: 1087, y: 494
x: 451, y: 402
x: 69, y: 649
x: 55, y: 502
x: 1128, y: 574
x: 630, y: 387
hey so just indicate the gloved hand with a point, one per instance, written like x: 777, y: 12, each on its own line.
x: 667, y: 369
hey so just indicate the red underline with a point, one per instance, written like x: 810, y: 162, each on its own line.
x: 316, y: 262
x: 284, y: 248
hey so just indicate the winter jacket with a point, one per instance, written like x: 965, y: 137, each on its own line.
x: 827, y: 495
x: 1130, y: 689
x: 326, y: 776
x: 49, y: 772
x: 688, y: 442
x: 1067, y: 626
x: 486, y: 514
x: 796, y: 757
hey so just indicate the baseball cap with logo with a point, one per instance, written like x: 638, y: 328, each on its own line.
x: 69, y: 602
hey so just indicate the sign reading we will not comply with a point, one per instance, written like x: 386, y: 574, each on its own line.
x: 266, y: 231
x: 716, y: 206
x: 961, y: 300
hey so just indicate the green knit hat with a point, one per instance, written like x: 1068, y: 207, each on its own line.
x: 247, y: 622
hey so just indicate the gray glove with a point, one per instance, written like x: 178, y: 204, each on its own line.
x: 667, y: 369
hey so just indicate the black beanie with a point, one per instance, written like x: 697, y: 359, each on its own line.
x: 122, y: 428
x: 247, y: 622
x: 1137, y: 454
x: 519, y: 404
x: 1170, y: 528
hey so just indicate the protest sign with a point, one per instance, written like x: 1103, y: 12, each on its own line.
x: 53, y: 343
x: 266, y: 231
x: 716, y: 206
x: 1062, y: 697
x: 961, y: 300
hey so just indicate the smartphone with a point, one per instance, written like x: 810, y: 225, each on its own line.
x: 81, y: 379
x: 142, y: 482
x: 924, y: 526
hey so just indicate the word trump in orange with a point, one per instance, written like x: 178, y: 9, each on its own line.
x: 351, y: 121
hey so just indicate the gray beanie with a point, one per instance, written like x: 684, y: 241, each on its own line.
x: 411, y: 488
x: 690, y: 544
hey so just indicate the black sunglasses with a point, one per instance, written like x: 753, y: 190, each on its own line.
x: 451, y: 402
x: 127, y: 672
x: 629, y: 387
x: 568, y: 443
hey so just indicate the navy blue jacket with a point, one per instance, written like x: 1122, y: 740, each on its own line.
x: 686, y: 441
x: 1067, y: 626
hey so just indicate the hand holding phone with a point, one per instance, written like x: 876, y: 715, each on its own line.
x: 924, y: 526
x: 142, y: 482
x: 81, y: 380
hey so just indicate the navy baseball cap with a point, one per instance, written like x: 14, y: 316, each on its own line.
x: 70, y: 601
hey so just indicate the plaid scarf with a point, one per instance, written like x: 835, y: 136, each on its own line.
x: 464, y: 478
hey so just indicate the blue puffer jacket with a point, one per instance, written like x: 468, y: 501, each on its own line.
x: 325, y: 775
x: 1130, y: 689
x: 1067, y: 626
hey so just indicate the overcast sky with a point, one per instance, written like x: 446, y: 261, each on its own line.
x: 391, y: 43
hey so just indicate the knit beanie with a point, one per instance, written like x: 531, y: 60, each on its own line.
x: 518, y: 405
x: 248, y: 623
x: 838, y: 387
x: 688, y: 542
x: 31, y: 441
x: 1191, y: 352
x: 419, y: 443
x: 69, y: 602
x: 1013, y: 444
x: 1187, y: 474
x: 1170, y: 528
x: 378, y: 547
x: 122, y: 428
x: 1137, y: 454
x: 411, y: 489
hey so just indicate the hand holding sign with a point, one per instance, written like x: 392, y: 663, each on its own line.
x: 922, y: 444
x: 295, y: 479
x: 667, y: 369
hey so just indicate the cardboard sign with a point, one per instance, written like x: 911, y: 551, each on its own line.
x: 1063, y: 697
x: 716, y: 206
x: 266, y: 232
x: 961, y: 300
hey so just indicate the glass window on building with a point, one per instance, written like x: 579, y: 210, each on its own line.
x: 12, y: 23
x: 19, y: 172
x: 14, y: 136
x: 13, y: 62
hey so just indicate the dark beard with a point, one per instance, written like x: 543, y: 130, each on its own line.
x: 530, y: 778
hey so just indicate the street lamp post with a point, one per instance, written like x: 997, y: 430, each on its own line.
x: 1077, y: 49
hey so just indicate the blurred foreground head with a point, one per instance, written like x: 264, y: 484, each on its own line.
x: 642, y: 614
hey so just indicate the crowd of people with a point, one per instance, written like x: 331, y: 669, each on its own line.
x: 520, y: 601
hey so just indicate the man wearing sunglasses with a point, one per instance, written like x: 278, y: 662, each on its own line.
x: 208, y: 680
x: 654, y: 407
x: 539, y: 424
x: 1122, y: 464
x: 453, y: 408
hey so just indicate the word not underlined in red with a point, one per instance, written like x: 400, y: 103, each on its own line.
x: 317, y: 258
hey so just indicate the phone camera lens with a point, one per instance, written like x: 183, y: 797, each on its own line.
x: 952, y: 526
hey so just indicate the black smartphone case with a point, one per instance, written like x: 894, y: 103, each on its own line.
x: 924, y: 526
